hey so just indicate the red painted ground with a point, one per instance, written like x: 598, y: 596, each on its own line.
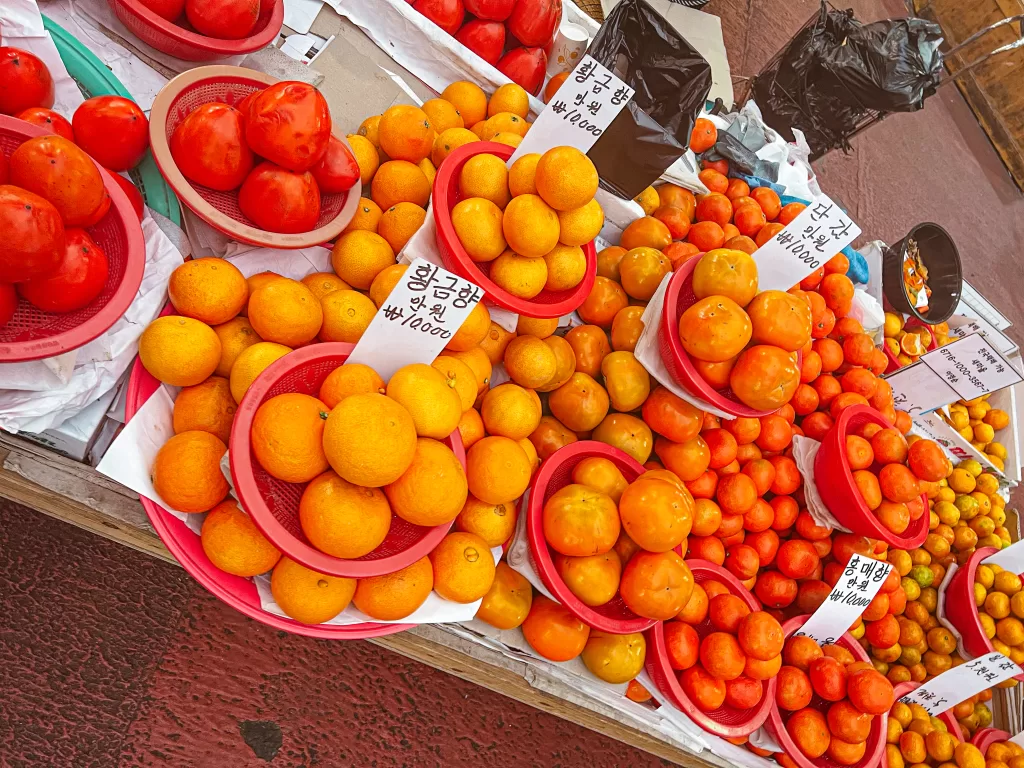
x: 110, y: 658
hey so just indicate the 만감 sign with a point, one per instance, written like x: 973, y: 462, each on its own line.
x: 960, y: 683
x: 856, y: 588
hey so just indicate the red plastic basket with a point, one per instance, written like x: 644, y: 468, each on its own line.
x: 726, y: 721
x: 229, y: 85
x: 777, y: 727
x: 679, y: 297
x: 546, y: 304
x: 894, y: 364
x: 838, y: 490
x: 33, y: 334
x: 183, y: 42
x: 556, y: 473
x: 235, y: 591
x: 274, y: 504
x: 985, y: 737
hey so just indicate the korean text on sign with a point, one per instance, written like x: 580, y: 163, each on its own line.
x: 820, y: 232
x: 579, y: 112
x: 417, y: 319
x: 861, y: 580
x: 960, y: 683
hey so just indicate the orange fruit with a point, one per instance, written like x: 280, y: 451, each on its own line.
x: 580, y: 225
x: 287, y: 437
x: 179, y: 351
x: 509, y: 98
x: 370, y: 439
x: 605, y: 300
x: 479, y: 364
x: 235, y: 336
x: 471, y: 428
x: 608, y: 260
x: 601, y: 475
x: 809, y: 729
x: 485, y: 176
x: 186, y: 472
x: 530, y: 225
x: 504, y: 125
x: 448, y: 141
x: 641, y: 271
x: 626, y: 328
x: 927, y: 460
x: 322, y: 283
x: 359, y: 256
x: 594, y: 579
x: 307, y: 596
x: 590, y: 346
x: 259, y: 280
x: 535, y: 326
x: 442, y: 115
x: 398, y: 181
x: 550, y: 435
x: 581, y: 403
x: 898, y: 483
x: 251, y: 363
x: 627, y: 433
x: 580, y: 521
x: 780, y: 319
x: 367, y: 157
x: 424, y: 392
x: 565, y: 363
x: 566, y: 267
x: 469, y: 99
x: 211, y: 290
x: 433, y: 489
x: 553, y: 85
x: 703, y: 136
x: 530, y: 362
x: 553, y: 632
x: 399, y: 223
x: 722, y: 656
x: 718, y: 208
x: 696, y: 608
x: 207, y: 407
x: 494, y: 523
x: 347, y: 315
x: 845, y: 752
x: 285, y: 312
x: 405, y: 133
x: 725, y: 272
x: 764, y: 377
x: 656, y: 514
x: 706, y: 691
x: 646, y: 232
x: 234, y: 544
x: 395, y: 596
x: 566, y: 179
x: 615, y: 659
x: 522, y: 175
x: 472, y: 331
x: 349, y: 379
x: 671, y: 416
x: 793, y: 690
x: 507, y: 604
x: 689, y: 460
x: 714, y: 329
x: 760, y: 636
x: 522, y: 276
x: 656, y: 585
x: 510, y: 411
x: 498, y: 470
x: 458, y: 377
x: 495, y: 342
x: 463, y: 567
x: 367, y: 215
x: 342, y: 519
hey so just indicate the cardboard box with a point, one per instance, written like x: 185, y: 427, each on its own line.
x: 76, y: 436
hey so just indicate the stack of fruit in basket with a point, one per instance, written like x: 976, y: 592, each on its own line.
x: 977, y: 422
x: 998, y: 750
x: 906, y: 343
x: 914, y: 737
x: 1000, y: 601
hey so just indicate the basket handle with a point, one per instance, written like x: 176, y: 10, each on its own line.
x: 1018, y: 43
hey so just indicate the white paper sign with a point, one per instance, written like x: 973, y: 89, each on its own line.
x: 960, y: 683
x: 417, y: 320
x: 972, y: 366
x: 820, y: 232
x: 1018, y: 739
x: 1009, y: 559
x: 965, y: 326
x: 856, y: 588
x: 579, y: 112
x: 917, y: 389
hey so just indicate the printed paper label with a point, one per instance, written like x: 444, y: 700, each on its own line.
x: 856, y: 588
x: 917, y: 389
x: 579, y: 112
x: 1009, y: 559
x: 820, y: 232
x: 418, y: 318
x: 960, y: 683
x: 972, y: 366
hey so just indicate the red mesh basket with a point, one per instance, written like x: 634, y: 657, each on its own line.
x: 229, y: 85
x: 678, y: 298
x: 985, y: 737
x: 546, y: 304
x: 235, y: 591
x: 894, y: 364
x: 726, y: 721
x: 33, y: 334
x: 181, y: 41
x: 274, y: 504
x: 838, y: 490
x: 555, y: 473
x: 776, y: 723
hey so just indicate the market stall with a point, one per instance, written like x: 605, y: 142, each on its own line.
x: 484, y: 340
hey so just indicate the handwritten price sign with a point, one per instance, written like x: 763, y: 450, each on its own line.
x: 960, y: 683
x: 856, y: 588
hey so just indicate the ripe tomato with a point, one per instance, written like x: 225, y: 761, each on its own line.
x: 166, y: 9
x: 48, y: 120
x: 78, y: 280
x: 134, y: 196
x: 8, y: 303
x: 279, y: 200
x: 113, y: 130
x: 209, y: 147
x: 223, y: 19
x: 289, y: 124
x: 33, y: 241
x: 57, y: 170
x: 5, y: 169
x: 337, y: 170
x: 27, y: 81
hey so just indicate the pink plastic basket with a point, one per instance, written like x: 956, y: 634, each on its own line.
x: 555, y: 473
x: 33, y: 334
x: 229, y: 85
x: 679, y: 297
x: 274, y: 504
x: 985, y: 737
x: 546, y: 304
x: 776, y: 724
x: 184, y: 43
x: 235, y: 591
x: 893, y: 364
x: 838, y: 490
x: 726, y: 721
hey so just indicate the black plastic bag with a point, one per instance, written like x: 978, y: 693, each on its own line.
x: 672, y: 82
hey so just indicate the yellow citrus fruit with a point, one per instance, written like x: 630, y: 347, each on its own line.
x: 385, y: 282
x: 179, y: 351
x: 507, y: 604
x: 472, y: 331
x: 566, y: 178
x: 423, y: 391
x: 648, y: 200
x: 207, y: 406
x: 485, y: 176
x: 349, y: 379
x: 495, y: 341
x: 1007, y: 582
x: 211, y: 290
x: 342, y: 519
x: 433, y: 489
x: 322, y: 283
x: 448, y: 141
x: 567, y: 267
x: 186, y: 472
x: 234, y: 544
x: 536, y: 326
x: 531, y: 452
x: 469, y: 98
x: 307, y: 596
x: 235, y: 336
x: 251, y: 363
x: 370, y: 439
x: 510, y: 411
x: 347, y: 314
x: 522, y: 175
x: 511, y: 139
x: 479, y: 364
x: 360, y: 256
x: 370, y: 128
x: 442, y: 115
x: 463, y: 567
x: 565, y: 363
x: 399, y: 223
x: 478, y: 225
x: 997, y: 605
x: 428, y: 170
x: 367, y: 216
x: 530, y: 225
x: 366, y: 156
x: 997, y: 419
x: 509, y: 98
x: 497, y: 469
x: 580, y: 225
x: 615, y: 659
x: 530, y: 362
x: 258, y: 281
x: 287, y: 437
x: 961, y: 480
x: 471, y: 427
x: 395, y: 596
x: 506, y: 122
x: 285, y: 312
x: 405, y: 133
x: 458, y: 377
x: 494, y: 523
x: 893, y: 324
x: 522, y: 276
x: 398, y: 181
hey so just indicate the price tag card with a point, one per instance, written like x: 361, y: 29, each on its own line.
x: 856, y: 588
x: 820, y: 232
x: 972, y: 366
x: 960, y: 327
x: 1010, y: 559
x: 417, y: 319
x: 579, y: 112
x: 960, y: 683
x: 917, y: 389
